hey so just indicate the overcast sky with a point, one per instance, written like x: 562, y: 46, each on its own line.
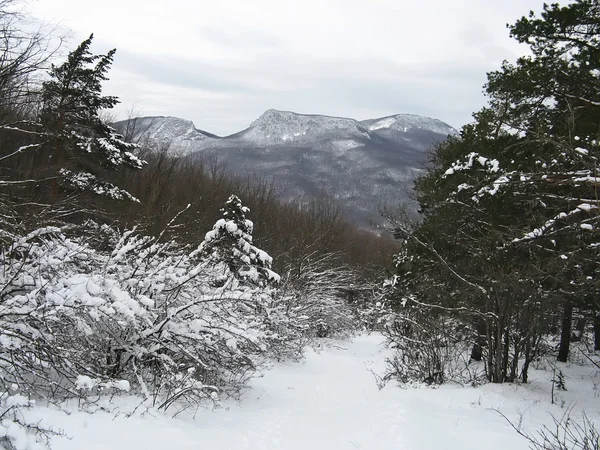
x: 221, y: 63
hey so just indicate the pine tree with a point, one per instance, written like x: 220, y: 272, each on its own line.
x: 79, y: 145
x: 510, y: 208
x: 552, y: 97
x: 230, y: 243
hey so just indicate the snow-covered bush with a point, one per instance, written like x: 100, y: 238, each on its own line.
x: 90, y: 310
x: 145, y: 315
x: 371, y: 308
x: 430, y: 347
x: 567, y: 433
x: 316, y: 292
x: 16, y: 431
x: 307, y: 303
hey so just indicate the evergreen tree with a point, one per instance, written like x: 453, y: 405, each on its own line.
x: 553, y: 99
x: 510, y: 208
x: 79, y: 145
x: 230, y: 242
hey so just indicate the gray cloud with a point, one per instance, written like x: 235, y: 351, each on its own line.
x: 222, y: 64
x: 360, y: 89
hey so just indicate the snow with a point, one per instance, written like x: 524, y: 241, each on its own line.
x: 180, y: 135
x: 386, y: 122
x: 274, y: 127
x: 85, y: 383
x: 586, y: 207
x: 346, y: 144
x: 406, y: 122
x: 582, y: 207
x: 588, y: 179
x: 121, y: 385
x: 85, y: 181
x: 331, y: 401
x: 493, y: 189
x: 490, y: 165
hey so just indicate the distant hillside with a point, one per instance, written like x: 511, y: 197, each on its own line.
x: 364, y: 164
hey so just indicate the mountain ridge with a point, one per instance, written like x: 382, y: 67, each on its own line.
x: 364, y: 164
x: 435, y: 125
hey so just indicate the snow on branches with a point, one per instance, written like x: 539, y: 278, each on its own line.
x: 489, y: 165
x: 230, y: 242
x: 74, y: 134
x: 136, y: 314
x: 86, y: 182
x: 562, y: 183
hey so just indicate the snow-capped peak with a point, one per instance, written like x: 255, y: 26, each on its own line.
x: 406, y: 122
x: 167, y: 128
x: 367, y: 162
x: 275, y: 126
x: 274, y: 116
x: 179, y: 134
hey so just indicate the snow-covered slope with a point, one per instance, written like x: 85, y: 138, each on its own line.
x: 364, y: 164
x: 406, y: 122
x: 285, y: 127
x: 182, y: 136
x: 331, y: 402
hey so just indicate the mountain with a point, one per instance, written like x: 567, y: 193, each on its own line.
x: 277, y: 127
x: 180, y: 134
x: 405, y: 122
x: 365, y: 164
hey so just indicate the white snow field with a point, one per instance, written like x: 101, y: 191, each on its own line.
x: 331, y: 401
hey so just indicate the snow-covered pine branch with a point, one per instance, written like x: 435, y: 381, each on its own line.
x: 230, y: 243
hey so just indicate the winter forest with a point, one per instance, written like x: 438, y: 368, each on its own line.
x: 142, y: 290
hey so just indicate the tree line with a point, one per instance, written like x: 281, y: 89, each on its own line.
x: 506, y: 251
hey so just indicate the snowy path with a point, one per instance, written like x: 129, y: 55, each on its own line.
x: 330, y: 401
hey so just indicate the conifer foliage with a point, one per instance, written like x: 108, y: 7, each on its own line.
x: 230, y: 242
x: 80, y: 146
x: 509, y: 242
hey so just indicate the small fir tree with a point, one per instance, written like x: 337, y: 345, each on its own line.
x: 230, y: 243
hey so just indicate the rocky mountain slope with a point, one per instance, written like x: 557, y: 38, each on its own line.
x: 363, y: 164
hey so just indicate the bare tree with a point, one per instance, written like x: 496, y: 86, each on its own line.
x: 26, y: 49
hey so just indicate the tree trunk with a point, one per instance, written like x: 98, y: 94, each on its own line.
x: 514, y: 364
x: 498, y: 357
x: 579, y: 330
x: 524, y: 373
x: 490, y: 356
x: 565, y: 332
x: 597, y: 332
x: 505, y: 354
x: 476, y: 352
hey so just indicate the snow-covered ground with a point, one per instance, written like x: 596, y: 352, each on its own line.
x: 331, y: 401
